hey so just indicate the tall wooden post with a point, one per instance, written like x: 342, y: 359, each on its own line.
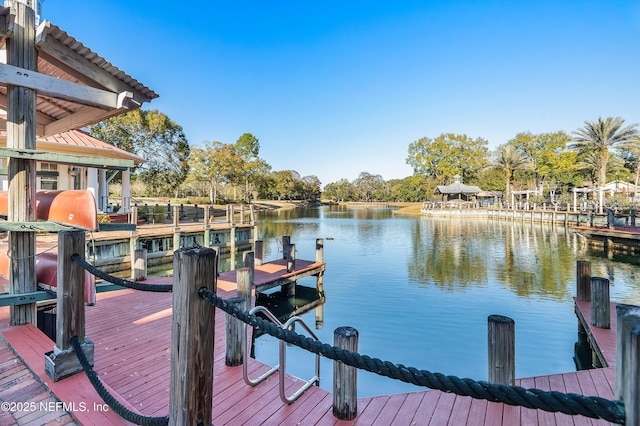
x: 583, y: 280
x: 291, y: 258
x: 259, y: 251
x: 501, y: 331
x: 192, y: 338
x: 628, y: 361
x: 250, y: 262
x: 62, y: 361
x: 21, y: 133
x: 290, y: 289
x: 207, y: 227
x: 345, y: 377
x: 286, y: 242
x: 244, y: 286
x: 600, y: 303
x: 235, y: 335
x: 176, y: 228
x: 319, y: 259
x: 140, y: 264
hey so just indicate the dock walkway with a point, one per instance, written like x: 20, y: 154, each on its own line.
x: 132, y: 335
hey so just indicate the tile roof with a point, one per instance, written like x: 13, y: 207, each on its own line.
x: 81, y: 143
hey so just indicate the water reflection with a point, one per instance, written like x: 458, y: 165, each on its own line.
x: 419, y: 290
x: 527, y: 260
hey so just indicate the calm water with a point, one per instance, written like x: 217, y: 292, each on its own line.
x: 419, y: 290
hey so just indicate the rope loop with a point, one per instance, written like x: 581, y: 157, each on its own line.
x: 109, y: 399
x: 156, y: 288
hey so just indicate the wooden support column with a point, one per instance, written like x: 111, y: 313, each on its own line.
x: 249, y: 262
x: 62, y: 361
x: 207, y: 228
x: 21, y: 133
x: 345, y: 377
x: 501, y: 331
x: 235, y: 335
x: 290, y: 289
x: 319, y: 259
x: 258, y: 249
x: 628, y: 361
x: 140, y: 264
x: 286, y: 242
x: 583, y: 280
x: 176, y: 228
x: 133, y: 246
x: 192, y: 338
x: 600, y: 303
x: 244, y: 285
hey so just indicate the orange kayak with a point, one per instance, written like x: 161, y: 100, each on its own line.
x: 76, y: 208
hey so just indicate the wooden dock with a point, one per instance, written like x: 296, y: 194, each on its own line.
x: 132, y: 335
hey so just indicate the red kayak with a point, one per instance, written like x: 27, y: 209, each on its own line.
x: 76, y: 208
x: 47, y: 275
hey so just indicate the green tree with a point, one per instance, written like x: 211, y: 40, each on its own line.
x: 509, y: 159
x: 371, y: 187
x: 340, y: 191
x: 214, y: 164
x: 311, y: 187
x: 448, y: 155
x: 631, y: 155
x: 153, y: 136
x: 248, y: 148
x: 287, y: 184
x: 601, y: 136
x: 412, y: 189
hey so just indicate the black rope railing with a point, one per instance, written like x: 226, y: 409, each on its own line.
x: 109, y: 399
x: 553, y: 401
x: 159, y: 288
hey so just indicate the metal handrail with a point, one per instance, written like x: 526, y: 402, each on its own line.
x: 245, y: 348
x: 282, y: 357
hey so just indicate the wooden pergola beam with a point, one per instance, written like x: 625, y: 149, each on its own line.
x: 76, y: 160
x: 58, y: 88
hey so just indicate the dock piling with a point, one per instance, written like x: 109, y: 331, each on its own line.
x: 70, y: 320
x: 249, y: 261
x: 628, y: 360
x: 600, y: 304
x: 259, y: 252
x: 192, y: 337
x: 286, y: 242
x: 501, y: 337
x: 140, y: 264
x: 583, y: 280
x: 235, y: 335
x: 244, y: 286
x: 345, y: 378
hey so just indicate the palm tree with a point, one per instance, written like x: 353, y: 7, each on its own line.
x: 509, y: 159
x: 598, y: 137
x: 633, y: 148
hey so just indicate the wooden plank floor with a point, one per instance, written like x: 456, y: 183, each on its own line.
x: 132, y: 336
x: 604, y: 338
x: 30, y: 400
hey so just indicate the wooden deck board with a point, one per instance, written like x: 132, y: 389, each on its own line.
x: 460, y: 411
x: 410, y: 405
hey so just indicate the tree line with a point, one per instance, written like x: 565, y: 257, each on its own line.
x: 551, y: 163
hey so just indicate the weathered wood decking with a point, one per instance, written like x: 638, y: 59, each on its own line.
x: 132, y: 335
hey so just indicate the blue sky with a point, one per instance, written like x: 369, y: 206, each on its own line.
x: 335, y: 88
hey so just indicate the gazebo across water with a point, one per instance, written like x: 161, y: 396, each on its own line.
x: 459, y: 189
